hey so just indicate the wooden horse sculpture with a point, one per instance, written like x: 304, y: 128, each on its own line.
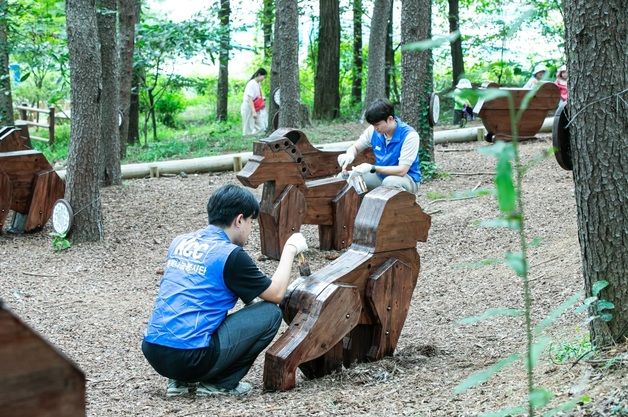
x: 300, y: 187
x: 28, y: 185
x: 354, y: 308
x: 12, y: 139
x: 495, y: 113
x: 37, y: 380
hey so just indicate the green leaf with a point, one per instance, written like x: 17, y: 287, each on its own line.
x: 506, y: 196
x: 517, y: 263
x: 566, y: 406
x: 485, y: 374
x: 598, y: 286
x: 604, y: 305
x: 535, y: 243
x: 432, y: 43
x: 498, y: 150
x: 540, y: 397
x: 556, y: 313
x: 505, y: 412
x: 537, y: 349
x: 490, y: 313
x: 513, y: 224
x: 606, y: 317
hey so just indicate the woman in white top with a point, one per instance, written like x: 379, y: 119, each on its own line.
x: 537, y: 76
x: 254, y: 120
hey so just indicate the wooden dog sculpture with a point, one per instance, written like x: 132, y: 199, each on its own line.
x: 354, y: 308
x: 495, y: 113
x: 28, y: 185
x: 300, y: 187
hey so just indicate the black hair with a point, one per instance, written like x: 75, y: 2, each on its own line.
x: 260, y: 71
x: 227, y: 202
x: 379, y: 110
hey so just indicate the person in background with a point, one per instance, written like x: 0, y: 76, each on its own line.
x: 396, y: 148
x: 253, y: 108
x: 539, y: 72
x: 462, y: 107
x: 561, y: 83
x: 190, y: 339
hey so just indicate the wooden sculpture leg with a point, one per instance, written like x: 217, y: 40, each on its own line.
x: 48, y: 189
x: 315, y: 330
x: 5, y: 197
x: 389, y: 291
x: 279, y: 218
x: 345, y: 207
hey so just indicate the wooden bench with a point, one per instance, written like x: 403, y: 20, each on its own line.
x: 354, y: 308
x: 300, y: 187
x: 495, y: 113
x: 29, y: 186
x: 36, y: 380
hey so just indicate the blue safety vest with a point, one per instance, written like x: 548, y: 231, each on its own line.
x: 387, y: 155
x: 193, y: 299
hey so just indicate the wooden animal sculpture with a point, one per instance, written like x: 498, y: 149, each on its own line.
x: 300, y: 187
x: 354, y: 308
x: 28, y: 185
x: 12, y: 139
x: 37, y: 380
x: 495, y: 113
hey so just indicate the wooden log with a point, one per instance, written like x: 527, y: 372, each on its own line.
x: 354, y: 308
x: 37, y: 380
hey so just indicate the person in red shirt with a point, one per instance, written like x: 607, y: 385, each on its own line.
x: 561, y: 82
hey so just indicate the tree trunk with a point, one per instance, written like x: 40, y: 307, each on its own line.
x: 288, y: 34
x: 416, y: 71
x: 356, y: 84
x: 110, y: 173
x: 128, y: 10
x: 457, y: 61
x: 81, y: 182
x: 268, y: 15
x: 390, y: 53
x: 376, y: 83
x: 326, y: 88
x: 134, y: 109
x: 275, y: 70
x: 6, y: 102
x: 596, y: 43
x: 222, y: 90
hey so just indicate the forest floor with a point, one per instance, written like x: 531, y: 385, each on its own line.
x: 92, y: 302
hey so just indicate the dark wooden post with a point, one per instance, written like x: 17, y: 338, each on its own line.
x: 51, y: 126
x: 23, y: 114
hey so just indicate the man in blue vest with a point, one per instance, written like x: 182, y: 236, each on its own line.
x: 190, y: 339
x: 396, y: 148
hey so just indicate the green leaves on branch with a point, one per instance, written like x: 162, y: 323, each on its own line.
x: 433, y: 43
x: 506, y: 194
x: 485, y: 374
x: 597, y: 305
x: 556, y: 313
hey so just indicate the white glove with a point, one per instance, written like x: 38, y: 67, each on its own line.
x: 363, y: 168
x: 298, y: 241
x: 344, y: 159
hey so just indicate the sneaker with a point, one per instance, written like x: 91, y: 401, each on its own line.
x: 205, y: 389
x: 177, y: 388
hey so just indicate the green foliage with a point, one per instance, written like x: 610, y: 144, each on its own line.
x: 571, y: 350
x: 597, y: 305
x: 60, y: 242
x: 171, y: 104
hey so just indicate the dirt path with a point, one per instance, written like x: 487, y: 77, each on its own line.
x: 93, y: 301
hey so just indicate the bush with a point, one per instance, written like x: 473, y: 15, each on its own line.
x: 169, y: 105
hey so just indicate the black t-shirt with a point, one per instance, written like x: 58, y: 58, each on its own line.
x: 243, y: 277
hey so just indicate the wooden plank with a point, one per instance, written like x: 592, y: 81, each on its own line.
x: 32, y: 109
x: 39, y: 138
x: 6, y: 190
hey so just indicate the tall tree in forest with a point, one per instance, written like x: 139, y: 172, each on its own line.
x: 376, y: 83
x: 81, y: 182
x: 457, y: 61
x: 417, y: 71
x: 267, y: 18
x: 275, y: 69
x: 326, y: 88
x: 128, y: 11
x: 6, y: 102
x: 110, y: 172
x: 596, y: 43
x: 390, y: 53
x: 356, y: 82
x: 287, y: 35
x: 222, y: 89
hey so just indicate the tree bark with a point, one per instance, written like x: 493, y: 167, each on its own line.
x: 376, y: 84
x: 457, y: 60
x: 596, y: 44
x: 326, y: 88
x: 268, y: 16
x: 390, y: 53
x: 288, y: 33
x: 6, y: 101
x: 356, y: 83
x: 128, y: 11
x: 110, y: 173
x: 222, y: 89
x: 275, y: 70
x: 416, y: 71
x: 81, y: 187
x: 134, y: 107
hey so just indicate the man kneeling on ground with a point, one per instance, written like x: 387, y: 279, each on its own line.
x: 190, y: 339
